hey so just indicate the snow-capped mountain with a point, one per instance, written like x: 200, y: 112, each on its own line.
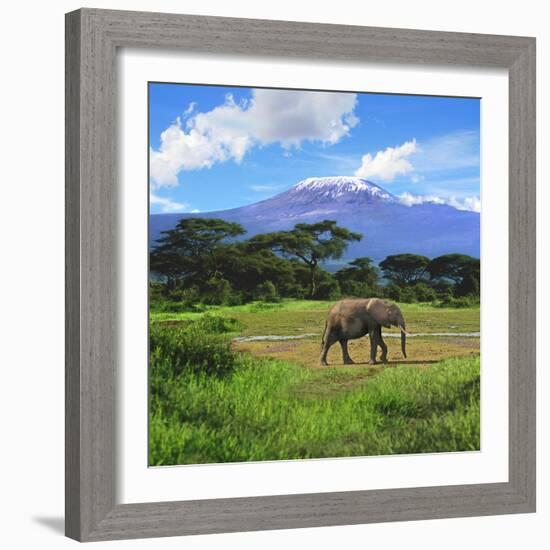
x: 335, y: 187
x: 388, y: 227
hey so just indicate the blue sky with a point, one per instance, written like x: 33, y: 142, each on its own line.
x: 214, y: 147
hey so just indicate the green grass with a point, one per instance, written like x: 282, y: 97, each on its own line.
x: 308, y: 316
x: 209, y: 404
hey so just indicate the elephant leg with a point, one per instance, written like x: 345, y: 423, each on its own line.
x: 345, y: 355
x: 382, y: 344
x: 328, y: 341
x: 373, y: 344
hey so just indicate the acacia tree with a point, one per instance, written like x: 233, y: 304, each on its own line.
x: 310, y: 243
x: 361, y: 270
x: 359, y: 276
x: 246, y: 268
x: 193, y: 249
x: 462, y: 269
x: 404, y: 269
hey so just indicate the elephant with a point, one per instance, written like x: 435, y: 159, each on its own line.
x: 353, y: 318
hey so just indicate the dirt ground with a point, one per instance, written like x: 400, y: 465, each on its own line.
x: 421, y: 351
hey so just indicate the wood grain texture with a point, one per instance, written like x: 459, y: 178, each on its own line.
x: 72, y: 277
x: 92, y: 37
x: 522, y: 274
x: 262, y: 38
x: 91, y: 338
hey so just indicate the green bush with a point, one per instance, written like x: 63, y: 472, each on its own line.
x: 424, y: 292
x: 464, y: 301
x: 168, y: 306
x: 293, y: 290
x: 327, y: 289
x: 216, y: 291
x: 404, y: 294
x: 189, y: 350
x: 469, y: 286
x: 393, y: 292
x: 188, y: 296
x: 443, y: 289
x: 175, y: 300
x: 267, y: 292
x: 235, y: 299
x: 407, y: 295
x: 215, y: 324
x: 360, y: 289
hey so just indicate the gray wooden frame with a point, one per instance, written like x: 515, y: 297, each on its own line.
x: 92, y: 39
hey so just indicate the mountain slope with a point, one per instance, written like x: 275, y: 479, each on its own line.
x: 388, y: 227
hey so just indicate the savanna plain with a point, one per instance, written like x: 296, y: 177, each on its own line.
x: 243, y: 383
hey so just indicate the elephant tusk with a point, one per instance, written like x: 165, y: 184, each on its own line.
x: 404, y: 331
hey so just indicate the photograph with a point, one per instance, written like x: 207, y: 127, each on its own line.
x: 314, y: 274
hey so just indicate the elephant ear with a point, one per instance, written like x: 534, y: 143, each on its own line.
x: 379, y: 311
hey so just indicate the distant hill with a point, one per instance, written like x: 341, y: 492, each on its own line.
x: 388, y: 227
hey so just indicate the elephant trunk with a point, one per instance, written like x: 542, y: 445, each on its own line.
x: 403, y: 341
x: 401, y: 325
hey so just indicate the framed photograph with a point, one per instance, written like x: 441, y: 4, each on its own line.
x: 300, y: 276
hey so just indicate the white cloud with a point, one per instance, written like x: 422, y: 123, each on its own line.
x: 167, y: 205
x: 190, y: 108
x: 472, y: 204
x: 467, y: 203
x: 454, y: 151
x: 387, y: 164
x: 230, y: 130
x: 408, y: 199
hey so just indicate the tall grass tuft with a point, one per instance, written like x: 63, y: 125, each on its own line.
x: 175, y: 351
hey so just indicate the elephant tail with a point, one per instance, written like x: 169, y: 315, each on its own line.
x: 324, y: 334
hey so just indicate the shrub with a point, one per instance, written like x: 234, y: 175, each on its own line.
x: 175, y: 300
x: 360, y: 289
x: 189, y: 296
x: 215, y: 324
x: 267, y: 292
x: 393, y: 292
x: 168, y: 306
x: 189, y: 350
x: 293, y: 290
x: 216, y: 291
x: 443, y: 289
x: 235, y: 299
x: 464, y: 301
x: 405, y: 294
x: 327, y: 289
x: 469, y: 286
x: 424, y: 292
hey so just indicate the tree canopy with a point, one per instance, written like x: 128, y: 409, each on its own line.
x: 310, y: 243
x: 192, y: 248
x: 462, y: 269
x: 404, y: 268
x: 207, y: 260
x: 361, y: 270
x: 452, y: 266
x: 359, y: 278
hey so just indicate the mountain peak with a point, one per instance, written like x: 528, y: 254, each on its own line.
x: 388, y: 226
x: 338, y: 186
